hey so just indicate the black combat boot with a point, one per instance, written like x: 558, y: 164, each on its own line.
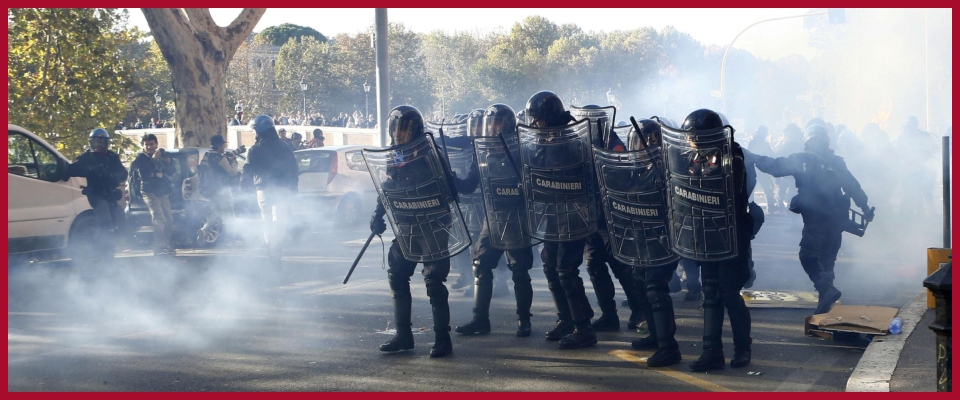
x: 663, y: 325
x: 441, y: 317
x: 480, y: 324
x: 402, y: 303
x: 563, y: 328
x: 443, y: 346
x: 645, y: 343
x: 582, y: 336
x: 741, y: 358
x: 711, y: 359
x: 828, y: 295
x: 564, y: 325
x: 607, y: 323
x: 523, y: 292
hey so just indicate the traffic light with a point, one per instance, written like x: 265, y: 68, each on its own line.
x: 836, y: 15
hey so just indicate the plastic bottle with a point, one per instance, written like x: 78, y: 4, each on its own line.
x: 896, y: 326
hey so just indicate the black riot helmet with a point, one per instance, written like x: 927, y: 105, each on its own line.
x: 650, y: 130
x: 404, y: 124
x: 815, y: 121
x: 702, y: 119
x: 520, y: 117
x: 475, y: 123
x: 545, y: 109
x: 263, y: 124
x: 499, y: 118
x: 99, y: 140
x: 816, y: 138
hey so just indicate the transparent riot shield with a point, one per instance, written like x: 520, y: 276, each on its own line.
x: 700, y: 193
x: 602, y: 120
x: 559, y: 183
x: 412, y: 185
x: 634, y: 198
x: 502, y: 193
x: 461, y: 154
x: 450, y: 129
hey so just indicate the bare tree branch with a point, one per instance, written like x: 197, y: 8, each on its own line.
x: 240, y: 28
x: 200, y: 18
x: 164, y: 21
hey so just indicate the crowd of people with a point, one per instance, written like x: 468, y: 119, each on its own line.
x: 681, y: 161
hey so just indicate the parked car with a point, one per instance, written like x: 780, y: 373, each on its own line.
x: 46, y: 211
x: 190, y: 210
x: 334, y: 185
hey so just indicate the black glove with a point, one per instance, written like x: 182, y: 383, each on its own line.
x: 377, y: 225
x: 868, y: 214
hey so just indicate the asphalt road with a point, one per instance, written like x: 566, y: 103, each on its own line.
x: 223, y: 320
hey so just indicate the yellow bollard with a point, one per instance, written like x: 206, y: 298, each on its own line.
x: 936, y: 258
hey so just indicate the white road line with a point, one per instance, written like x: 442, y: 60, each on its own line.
x: 879, y: 360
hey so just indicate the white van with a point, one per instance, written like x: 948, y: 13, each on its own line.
x: 45, y: 208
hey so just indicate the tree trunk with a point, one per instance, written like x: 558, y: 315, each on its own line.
x: 198, y: 53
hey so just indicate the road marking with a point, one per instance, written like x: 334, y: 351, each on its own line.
x: 633, y: 356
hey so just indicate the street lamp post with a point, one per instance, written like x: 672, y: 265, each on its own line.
x: 303, y: 89
x: 156, y: 96
x: 366, y: 98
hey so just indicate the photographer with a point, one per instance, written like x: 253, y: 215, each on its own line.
x: 218, y: 173
x: 104, y: 172
x: 153, y: 167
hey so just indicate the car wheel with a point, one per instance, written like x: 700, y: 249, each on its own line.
x: 348, y: 212
x: 210, y: 236
x: 88, y: 243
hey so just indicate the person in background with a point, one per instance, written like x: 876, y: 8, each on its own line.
x: 153, y: 168
x: 317, y: 140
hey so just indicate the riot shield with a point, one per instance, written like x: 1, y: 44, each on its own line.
x: 461, y: 153
x: 634, y: 199
x: 450, y: 129
x: 558, y: 181
x: 412, y: 185
x: 502, y: 195
x: 602, y: 120
x: 700, y: 193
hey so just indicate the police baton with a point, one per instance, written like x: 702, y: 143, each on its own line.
x: 357, y: 261
x: 506, y: 150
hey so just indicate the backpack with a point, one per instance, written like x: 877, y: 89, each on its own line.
x: 210, y: 182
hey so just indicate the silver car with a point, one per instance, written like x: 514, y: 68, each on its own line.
x: 334, y: 185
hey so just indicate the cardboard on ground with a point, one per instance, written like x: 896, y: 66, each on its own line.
x: 871, y: 320
x: 779, y: 299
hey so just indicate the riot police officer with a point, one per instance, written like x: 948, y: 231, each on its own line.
x: 405, y: 125
x: 596, y: 251
x: 273, y: 169
x: 722, y: 280
x: 562, y: 258
x: 503, y: 216
x: 104, y: 172
x: 824, y: 189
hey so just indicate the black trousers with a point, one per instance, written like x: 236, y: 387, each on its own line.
x: 819, y: 245
x: 597, y: 253
x: 722, y: 282
x: 399, y: 271
x: 561, y: 266
x: 486, y: 258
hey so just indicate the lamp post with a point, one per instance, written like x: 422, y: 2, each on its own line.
x: 303, y: 89
x: 156, y: 96
x: 366, y: 98
x: 835, y: 14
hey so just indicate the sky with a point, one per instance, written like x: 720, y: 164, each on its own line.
x: 709, y: 26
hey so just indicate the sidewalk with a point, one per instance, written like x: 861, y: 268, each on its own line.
x: 900, y: 363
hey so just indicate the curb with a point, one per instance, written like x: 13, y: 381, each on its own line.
x: 879, y: 360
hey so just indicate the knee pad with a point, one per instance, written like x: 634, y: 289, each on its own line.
x: 399, y: 285
x: 521, y: 276
x: 436, y: 291
x: 711, y: 293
